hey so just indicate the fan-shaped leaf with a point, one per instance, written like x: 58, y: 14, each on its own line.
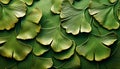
x: 99, y: 3
x: 10, y: 13
x: 113, y: 62
x: 118, y: 10
x: 57, y: 6
x: 39, y: 49
x: 5, y: 1
x: 105, y: 16
x: 72, y: 63
x: 29, y: 27
x: 12, y: 48
x: 112, y: 1
x: 51, y: 31
x: 28, y: 2
x: 94, y: 48
x: 70, y: 14
x: 42, y: 63
x: 54, y: 37
x: 81, y: 4
x: 65, y: 54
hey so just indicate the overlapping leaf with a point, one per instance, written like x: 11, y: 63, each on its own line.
x: 95, y: 47
x: 29, y: 26
x: 28, y: 2
x: 12, y: 48
x: 42, y: 63
x: 65, y: 54
x: 70, y: 14
x: 104, y: 14
x: 72, y: 63
x: 81, y: 4
x: 54, y: 37
x: 57, y: 6
x: 39, y: 49
x: 32, y: 62
x: 51, y: 31
x: 75, y: 19
x: 5, y: 1
x: 113, y: 62
x: 10, y: 13
x: 118, y: 10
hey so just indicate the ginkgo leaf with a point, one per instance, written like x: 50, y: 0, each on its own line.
x: 51, y: 33
x: 118, y: 10
x: 70, y: 14
x: 28, y: 2
x: 65, y: 54
x: 29, y: 26
x: 10, y: 13
x: 39, y: 49
x: 118, y: 14
x: 105, y: 16
x: 95, y: 47
x: 72, y: 63
x: 42, y: 63
x: 113, y: 62
x: 13, y: 48
x: 99, y: 3
x: 97, y: 29
x: 57, y: 6
x: 5, y: 1
x: 54, y: 37
x: 17, y: 7
x: 81, y: 4
x: 32, y: 62
x: 112, y: 1
x: 109, y: 39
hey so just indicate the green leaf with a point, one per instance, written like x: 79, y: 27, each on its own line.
x: 70, y: 14
x: 85, y: 64
x: 95, y: 47
x: 13, y: 48
x: 17, y: 7
x: 5, y: 1
x: 72, y: 63
x: 29, y: 26
x: 32, y: 62
x: 56, y: 7
x: 5, y: 62
x: 112, y: 1
x: 105, y: 16
x: 113, y: 62
x: 118, y: 10
x: 97, y: 29
x: 65, y: 54
x: 39, y: 49
x: 51, y: 33
x: 119, y: 15
x: 54, y: 37
x: 10, y: 13
x: 28, y: 2
x: 42, y: 63
x: 99, y: 3
x: 81, y: 4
